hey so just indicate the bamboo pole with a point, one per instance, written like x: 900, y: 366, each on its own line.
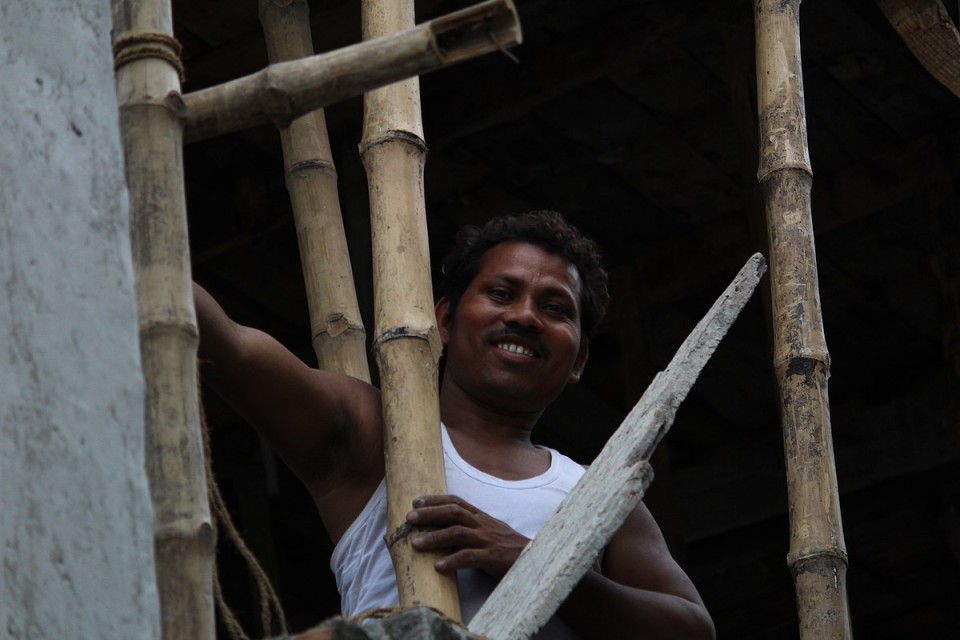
x: 407, y: 341
x: 148, y: 89
x: 287, y: 90
x: 566, y: 547
x: 817, y: 556
x: 337, y: 329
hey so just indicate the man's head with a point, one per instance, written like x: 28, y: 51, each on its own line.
x: 546, y: 229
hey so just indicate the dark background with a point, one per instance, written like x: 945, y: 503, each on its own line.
x: 637, y: 120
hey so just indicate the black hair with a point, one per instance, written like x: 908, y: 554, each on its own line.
x: 546, y: 229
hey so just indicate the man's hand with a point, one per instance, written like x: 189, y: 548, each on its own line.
x: 473, y: 538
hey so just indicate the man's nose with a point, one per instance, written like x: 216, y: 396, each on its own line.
x: 523, y: 313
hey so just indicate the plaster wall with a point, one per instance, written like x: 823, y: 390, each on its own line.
x: 75, y: 518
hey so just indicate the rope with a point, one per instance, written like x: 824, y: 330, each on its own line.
x: 148, y: 45
x: 269, y: 601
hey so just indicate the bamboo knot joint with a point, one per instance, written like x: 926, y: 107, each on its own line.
x: 392, y: 135
x: 806, y: 365
x: 816, y: 561
x: 397, y: 333
x: 138, y: 46
x: 337, y: 323
x: 307, y: 166
x: 174, y: 102
x: 276, y: 104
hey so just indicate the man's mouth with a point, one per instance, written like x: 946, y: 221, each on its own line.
x: 516, y: 348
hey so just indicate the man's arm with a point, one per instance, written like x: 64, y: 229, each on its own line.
x: 326, y: 426
x: 641, y: 593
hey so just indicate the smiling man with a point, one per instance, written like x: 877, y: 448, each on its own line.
x: 519, y: 299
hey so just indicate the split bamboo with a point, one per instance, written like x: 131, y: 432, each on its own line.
x: 407, y: 342
x: 817, y: 556
x: 565, y: 548
x: 287, y: 90
x: 148, y: 88
x: 337, y: 329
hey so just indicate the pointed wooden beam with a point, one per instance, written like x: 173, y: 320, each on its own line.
x: 929, y: 32
x: 566, y: 547
x: 148, y: 90
x: 287, y: 90
x: 817, y: 556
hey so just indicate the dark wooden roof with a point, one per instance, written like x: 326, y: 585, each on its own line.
x: 637, y: 119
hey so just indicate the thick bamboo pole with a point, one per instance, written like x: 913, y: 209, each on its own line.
x: 285, y: 91
x: 407, y: 342
x: 148, y: 88
x: 337, y: 329
x: 817, y: 556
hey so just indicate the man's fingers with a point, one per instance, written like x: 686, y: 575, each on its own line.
x: 439, y: 500
x: 462, y: 559
x: 448, y: 538
x: 443, y: 514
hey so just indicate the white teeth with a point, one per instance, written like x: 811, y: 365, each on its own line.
x: 515, y: 348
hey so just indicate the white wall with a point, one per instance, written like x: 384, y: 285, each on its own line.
x: 76, y: 537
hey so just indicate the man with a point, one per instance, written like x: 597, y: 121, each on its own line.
x: 519, y: 299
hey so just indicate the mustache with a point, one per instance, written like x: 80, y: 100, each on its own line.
x: 524, y: 336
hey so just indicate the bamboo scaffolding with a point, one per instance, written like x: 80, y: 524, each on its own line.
x: 817, y: 556
x: 407, y: 342
x: 337, y: 329
x: 287, y: 90
x: 553, y: 563
x: 148, y: 89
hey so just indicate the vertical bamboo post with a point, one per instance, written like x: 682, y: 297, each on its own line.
x: 407, y: 342
x: 337, y: 330
x: 817, y: 556
x: 148, y: 89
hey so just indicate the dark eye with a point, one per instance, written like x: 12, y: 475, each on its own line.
x: 499, y: 294
x: 556, y: 309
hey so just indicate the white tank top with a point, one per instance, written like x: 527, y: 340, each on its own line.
x: 361, y: 561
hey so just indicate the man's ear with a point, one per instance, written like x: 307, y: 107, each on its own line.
x: 442, y: 311
x: 580, y: 362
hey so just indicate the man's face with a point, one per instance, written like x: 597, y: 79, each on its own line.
x: 514, y: 342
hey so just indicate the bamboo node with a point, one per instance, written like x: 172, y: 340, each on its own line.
x: 175, y: 103
x: 275, y: 103
x: 305, y: 166
x: 390, y: 136
x: 397, y: 333
x: 337, y: 323
x: 148, y: 45
x: 812, y: 561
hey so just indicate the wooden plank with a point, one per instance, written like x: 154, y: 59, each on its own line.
x: 569, y: 543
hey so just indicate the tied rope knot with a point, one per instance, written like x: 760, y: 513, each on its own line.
x: 148, y: 45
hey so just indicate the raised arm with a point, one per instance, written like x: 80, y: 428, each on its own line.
x: 326, y: 426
